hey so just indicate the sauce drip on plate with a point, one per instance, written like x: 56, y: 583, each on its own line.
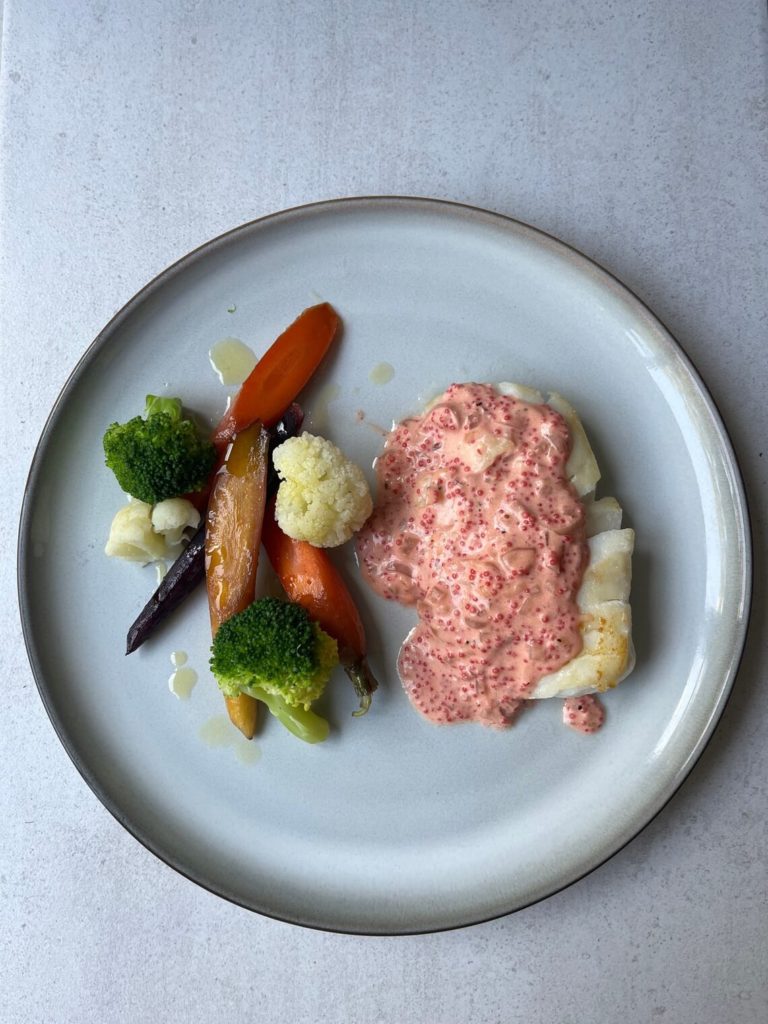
x: 584, y: 714
x: 476, y: 525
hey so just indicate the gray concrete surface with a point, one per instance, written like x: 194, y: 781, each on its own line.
x: 133, y: 131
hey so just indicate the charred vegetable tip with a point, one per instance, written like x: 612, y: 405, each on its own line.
x: 364, y: 683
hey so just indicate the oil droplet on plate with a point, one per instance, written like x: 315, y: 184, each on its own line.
x: 319, y: 415
x: 179, y: 658
x: 232, y: 360
x: 247, y: 751
x: 161, y: 569
x: 382, y: 373
x: 219, y: 732
x: 182, y: 682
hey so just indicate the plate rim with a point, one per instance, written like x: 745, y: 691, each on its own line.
x: 741, y: 512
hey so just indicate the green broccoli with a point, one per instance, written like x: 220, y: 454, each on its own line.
x: 160, y: 455
x: 273, y: 651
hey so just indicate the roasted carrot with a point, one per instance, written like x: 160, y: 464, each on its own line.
x: 281, y: 373
x: 311, y: 579
x: 232, y: 540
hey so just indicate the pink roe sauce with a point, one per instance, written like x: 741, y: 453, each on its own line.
x: 584, y: 714
x: 476, y: 525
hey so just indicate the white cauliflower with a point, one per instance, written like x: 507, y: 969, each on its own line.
x: 172, y: 517
x: 323, y: 498
x: 141, y: 533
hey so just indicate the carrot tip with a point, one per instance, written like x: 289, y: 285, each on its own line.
x: 365, y: 703
x: 364, y: 683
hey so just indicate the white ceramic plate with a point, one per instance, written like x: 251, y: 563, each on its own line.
x: 392, y: 825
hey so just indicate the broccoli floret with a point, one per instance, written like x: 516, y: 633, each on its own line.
x: 160, y: 455
x: 273, y: 651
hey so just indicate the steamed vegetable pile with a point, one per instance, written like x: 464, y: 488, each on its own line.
x: 266, y: 652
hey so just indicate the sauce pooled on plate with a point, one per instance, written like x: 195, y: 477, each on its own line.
x: 476, y: 524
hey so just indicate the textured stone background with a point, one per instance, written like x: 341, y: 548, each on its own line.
x: 134, y: 130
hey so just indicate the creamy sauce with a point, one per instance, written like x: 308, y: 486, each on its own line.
x: 232, y: 360
x: 382, y: 373
x: 584, y: 714
x: 476, y: 525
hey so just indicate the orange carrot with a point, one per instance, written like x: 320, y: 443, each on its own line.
x: 311, y: 579
x: 281, y: 373
x: 276, y: 380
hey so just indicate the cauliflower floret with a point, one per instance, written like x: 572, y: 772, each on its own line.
x: 140, y: 533
x: 131, y: 535
x: 172, y: 517
x: 323, y: 498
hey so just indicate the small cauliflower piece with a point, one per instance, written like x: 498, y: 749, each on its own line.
x: 141, y: 533
x: 172, y: 517
x: 131, y: 535
x: 323, y: 498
